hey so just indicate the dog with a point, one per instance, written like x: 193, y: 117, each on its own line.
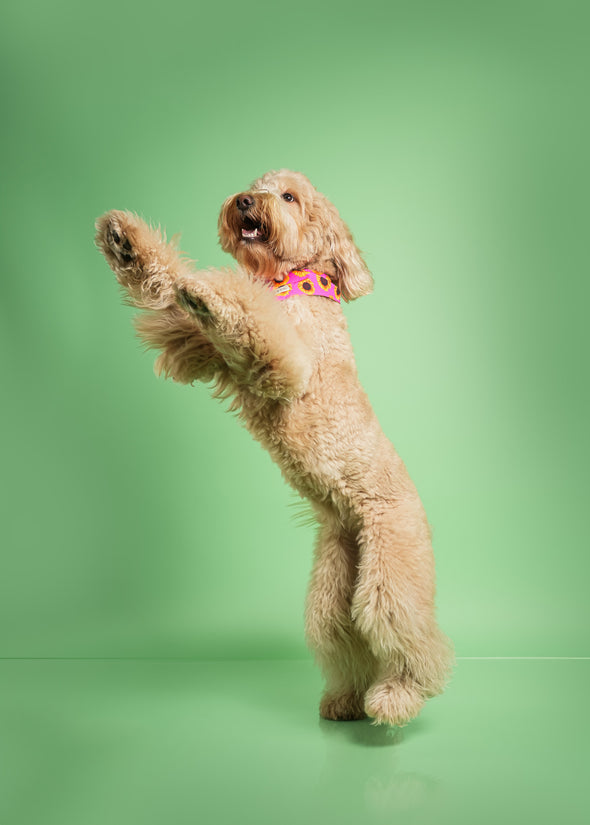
x: 271, y: 336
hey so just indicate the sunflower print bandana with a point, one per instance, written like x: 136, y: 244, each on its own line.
x: 306, y: 282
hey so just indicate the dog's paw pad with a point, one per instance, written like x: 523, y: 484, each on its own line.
x: 193, y: 303
x: 115, y: 231
x: 120, y: 244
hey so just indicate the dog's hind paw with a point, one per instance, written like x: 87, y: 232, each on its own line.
x: 342, y: 707
x: 393, y: 702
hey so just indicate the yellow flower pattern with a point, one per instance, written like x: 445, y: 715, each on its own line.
x: 306, y: 282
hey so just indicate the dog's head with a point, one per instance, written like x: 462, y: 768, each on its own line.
x: 283, y: 223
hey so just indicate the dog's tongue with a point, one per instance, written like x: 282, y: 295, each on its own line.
x: 250, y: 233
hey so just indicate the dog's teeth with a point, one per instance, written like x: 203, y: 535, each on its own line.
x: 249, y: 234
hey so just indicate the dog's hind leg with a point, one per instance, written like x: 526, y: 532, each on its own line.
x: 344, y: 658
x: 393, y: 610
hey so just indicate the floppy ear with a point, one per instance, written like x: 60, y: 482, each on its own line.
x: 354, y: 278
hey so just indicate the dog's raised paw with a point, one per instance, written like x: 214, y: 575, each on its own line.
x: 192, y: 303
x: 114, y: 236
x: 118, y: 240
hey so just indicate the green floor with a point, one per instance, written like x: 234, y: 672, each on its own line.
x: 156, y: 742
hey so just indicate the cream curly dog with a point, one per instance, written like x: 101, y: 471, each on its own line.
x: 271, y: 335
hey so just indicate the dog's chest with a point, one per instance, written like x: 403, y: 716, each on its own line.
x: 315, y: 439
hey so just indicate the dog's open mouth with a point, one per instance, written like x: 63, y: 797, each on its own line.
x: 252, y: 231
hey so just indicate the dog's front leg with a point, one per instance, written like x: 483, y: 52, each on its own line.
x: 148, y: 268
x: 260, y: 345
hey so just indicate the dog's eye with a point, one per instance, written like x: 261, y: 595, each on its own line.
x: 287, y: 196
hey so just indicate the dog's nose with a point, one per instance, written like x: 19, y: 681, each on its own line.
x: 244, y: 202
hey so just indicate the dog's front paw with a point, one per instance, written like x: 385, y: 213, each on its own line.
x: 144, y: 264
x: 115, y: 236
x: 192, y: 303
x: 202, y: 298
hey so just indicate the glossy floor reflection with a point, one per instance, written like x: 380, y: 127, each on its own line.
x: 154, y: 742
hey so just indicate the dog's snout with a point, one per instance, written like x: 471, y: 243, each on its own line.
x: 244, y: 202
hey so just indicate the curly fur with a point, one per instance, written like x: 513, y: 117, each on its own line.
x: 289, y: 369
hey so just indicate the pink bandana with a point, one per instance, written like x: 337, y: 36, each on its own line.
x: 306, y: 282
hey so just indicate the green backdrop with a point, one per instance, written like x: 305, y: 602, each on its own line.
x: 138, y: 519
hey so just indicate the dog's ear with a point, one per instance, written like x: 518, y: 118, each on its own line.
x: 353, y: 275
